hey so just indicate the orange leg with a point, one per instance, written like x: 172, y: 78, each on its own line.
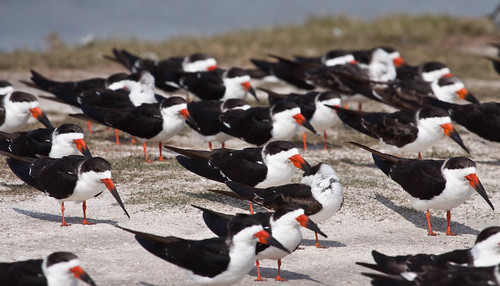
x: 258, y: 272
x: 210, y: 145
x: 448, y: 218
x: 304, y: 139
x: 419, y: 155
x: 62, y: 211
x: 251, y: 208
x: 161, y: 154
x: 90, y: 126
x: 324, y: 140
x: 223, y: 145
x: 360, y: 106
x: 278, y: 278
x: 117, y: 138
x: 146, y: 153
x: 133, y: 141
x: 317, y: 241
x: 428, y: 216
x: 84, y: 207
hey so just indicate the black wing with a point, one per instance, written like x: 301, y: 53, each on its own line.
x: 28, y: 144
x: 57, y: 177
x: 394, y: 128
x: 253, y: 125
x: 107, y: 98
x: 205, y: 85
x: 206, y: 115
x: 244, y: 166
x: 27, y: 272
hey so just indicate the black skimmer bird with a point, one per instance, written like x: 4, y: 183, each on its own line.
x: 193, y: 63
x: 319, y: 193
x: 428, y: 71
x: 16, y: 108
x: 380, y: 62
x: 57, y: 269
x: 411, y: 94
x: 258, y: 125
x: 206, y: 114
x: 217, y: 84
x: 64, y: 140
x: 432, y: 184
x: 71, y: 178
x: 403, y: 131
x: 283, y: 224
x: 485, y: 252
x: 314, y: 106
x: 271, y: 165
x: 147, y: 123
x: 330, y: 58
x: 482, y: 119
x: 214, y: 261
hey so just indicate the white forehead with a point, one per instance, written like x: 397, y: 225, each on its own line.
x: 6, y: 89
x: 197, y: 66
x: 339, y: 60
x: 435, y: 74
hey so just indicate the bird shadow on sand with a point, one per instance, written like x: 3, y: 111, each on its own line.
x: 418, y: 218
x: 323, y: 242
x: 58, y: 218
x: 270, y: 273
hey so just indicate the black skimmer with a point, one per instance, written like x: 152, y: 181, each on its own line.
x: 485, y: 252
x: 147, y: 123
x: 319, y: 193
x: 482, y: 119
x: 16, y: 108
x: 71, y: 178
x: 432, y: 184
x: 428, y: 71
x: 193, y: 63
x: 330, y: 58
x: 380, y: 62
x: 451, y: 275
x: 403, y: 131
x: 217, y: 84
x: 411, y: 94
x: 214, y: 261
x: 258, y: 125
x: 271, y: 165
x: 206, y: 115
x: 283, y: 224
x: 57, y: 269
x: 64, y: 140
x: 314, y: 106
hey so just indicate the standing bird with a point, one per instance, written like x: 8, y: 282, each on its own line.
x: 284, y: 225
x: 206, y: 114
x: 64, y: 140
x: 214, y: 261
x: 71, y: 178
x: 271, y: 165
x: 319, y: 193
x: 16, y: 108
x: 314, y: 106
x: 148, y: 122
x: 403, y: 131
x: 57, y: 269
x: 432, y: 184
x: 259, y: 125
x: 193, y: 63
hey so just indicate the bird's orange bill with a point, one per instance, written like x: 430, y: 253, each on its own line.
x: 304, y: 122
x: 246, y: 85
x: 450, y: 131
x: 111, y: 187
x: 476, y: 185
x: 265, y: 238
x: 398, y: 62
x: 82, y: 275
x: 82, y: 147
x: 300, y: 162
x: 304, y: 221
x: 185, y: 113
x: 464, y: 94
x: 39, y: 115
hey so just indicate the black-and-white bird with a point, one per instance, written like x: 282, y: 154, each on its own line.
x: 71, y: 178
x: 259, y: 125
x: 271, y: 165
x: 403, y: 131
x: 314, y: 106
x: 64, y: 140
x: 214, y: 261
x: 147, y: 123
x: 482, y: 119
x: 319, y: 193
x: 428, y: 71
x: 432, y: 184
x: 484, y: 253
x: 192, y: 63
x: 16, y: 107
x: 57, y: 269
x: 206, y: 114
x: 283, y: 224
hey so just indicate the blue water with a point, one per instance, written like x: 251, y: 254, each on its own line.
x: 26, y: 23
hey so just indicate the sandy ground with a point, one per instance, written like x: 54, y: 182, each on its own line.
x: 375, y: 215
